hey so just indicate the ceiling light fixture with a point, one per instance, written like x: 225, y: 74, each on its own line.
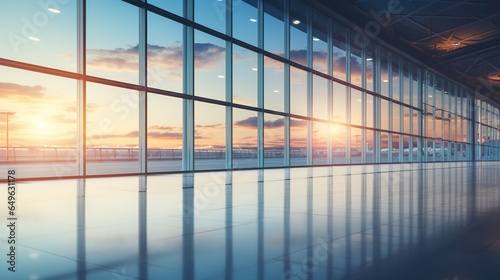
x: 456, y: 43
x: 369, y: 59
x: 36, y: 39
x: 55, y: 11
x: 254, y: 69
x: 385, y: 81
x: 296, y: 22
x: 315, y: 39
x: 220, y: 76
x: 253, y: 20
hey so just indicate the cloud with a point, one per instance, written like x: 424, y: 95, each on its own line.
x: 132, y: 134
x: 248, y: 122
x: 207, y: 54
x: 119, y: 59
x: 165, y: 135
x: 210, y: 126
x: 253, y: 122
x: 167, y: 58
x: 161, y: 127
x: 298, y: 123
x: 13, y: 91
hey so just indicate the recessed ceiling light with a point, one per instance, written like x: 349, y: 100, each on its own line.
x: 429, y: 95
x: 296, y: 22
x: 385, y: 81
x: 36, y: 39
x: 315, y: 39
x: 369, y: 59
x: 254, y: 69
x: 359, y: 100
x: 456, y: 43
x: 253, y: 20
x: 55, y: 11
x: 276, y: 90
x: 220, y: 76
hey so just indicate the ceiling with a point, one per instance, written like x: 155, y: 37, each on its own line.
x: 458, y: 38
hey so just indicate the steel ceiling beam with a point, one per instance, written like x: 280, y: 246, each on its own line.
x: 467, y: 51
x: 461, y: 26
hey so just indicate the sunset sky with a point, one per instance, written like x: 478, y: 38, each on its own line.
x: 45, y: 105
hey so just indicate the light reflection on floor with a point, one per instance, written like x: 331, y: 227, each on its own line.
x: 358, y: 222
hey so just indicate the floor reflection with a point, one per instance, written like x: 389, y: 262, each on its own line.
x: 413, y: 221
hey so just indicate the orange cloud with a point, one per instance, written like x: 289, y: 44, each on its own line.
x: 167, y: 58
x: 17, y: 92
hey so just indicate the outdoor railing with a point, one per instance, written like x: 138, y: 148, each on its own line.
x: 57, y: 154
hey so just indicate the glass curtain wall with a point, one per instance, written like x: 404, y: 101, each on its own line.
x: 206, y: 85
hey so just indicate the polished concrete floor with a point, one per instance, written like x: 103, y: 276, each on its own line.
x: 410, y: 221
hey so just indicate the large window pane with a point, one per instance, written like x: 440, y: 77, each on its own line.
x: 164, y: 133
x: 396, y: 93
x: 384, y: 147
x: 355, y: 63
x: 320, y: 98
x: 245, y: 23
x: 111, y: 52
x: 298, y: 32
x: 406, y: 148
x: 405, y: 91
x: 209, y: 66
x: 446, y: 96
x: 339, y: 51
x: 320, y: 143
x: 244, y: 139
x: 415, y: 87
x: 30, y: 30
x: 415, y: 116
x: 274, y: 84
x: 244, y: 76
x: 370, y: 60
x: 384, y: 72
x: 356, y: 107
x: 356, y: 145
x: 274, y: 144
x: 339, y: 103
x: 41, y: 131
x: 165, y: 51
x: 384, y: 114
x: 369, y: 146
x: 298, y: 142
x: 320, y: 45
x: 396, y: 117
x: 370, y: 117
x: 274, y: 30
x: 211, y: 14
x: 173, y: 6
x: 429, y: 121
x: 298, y: 91
x: 112, y: 130
x: 339, y: 143
x: 407, y: 118
x: 209, y: 136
